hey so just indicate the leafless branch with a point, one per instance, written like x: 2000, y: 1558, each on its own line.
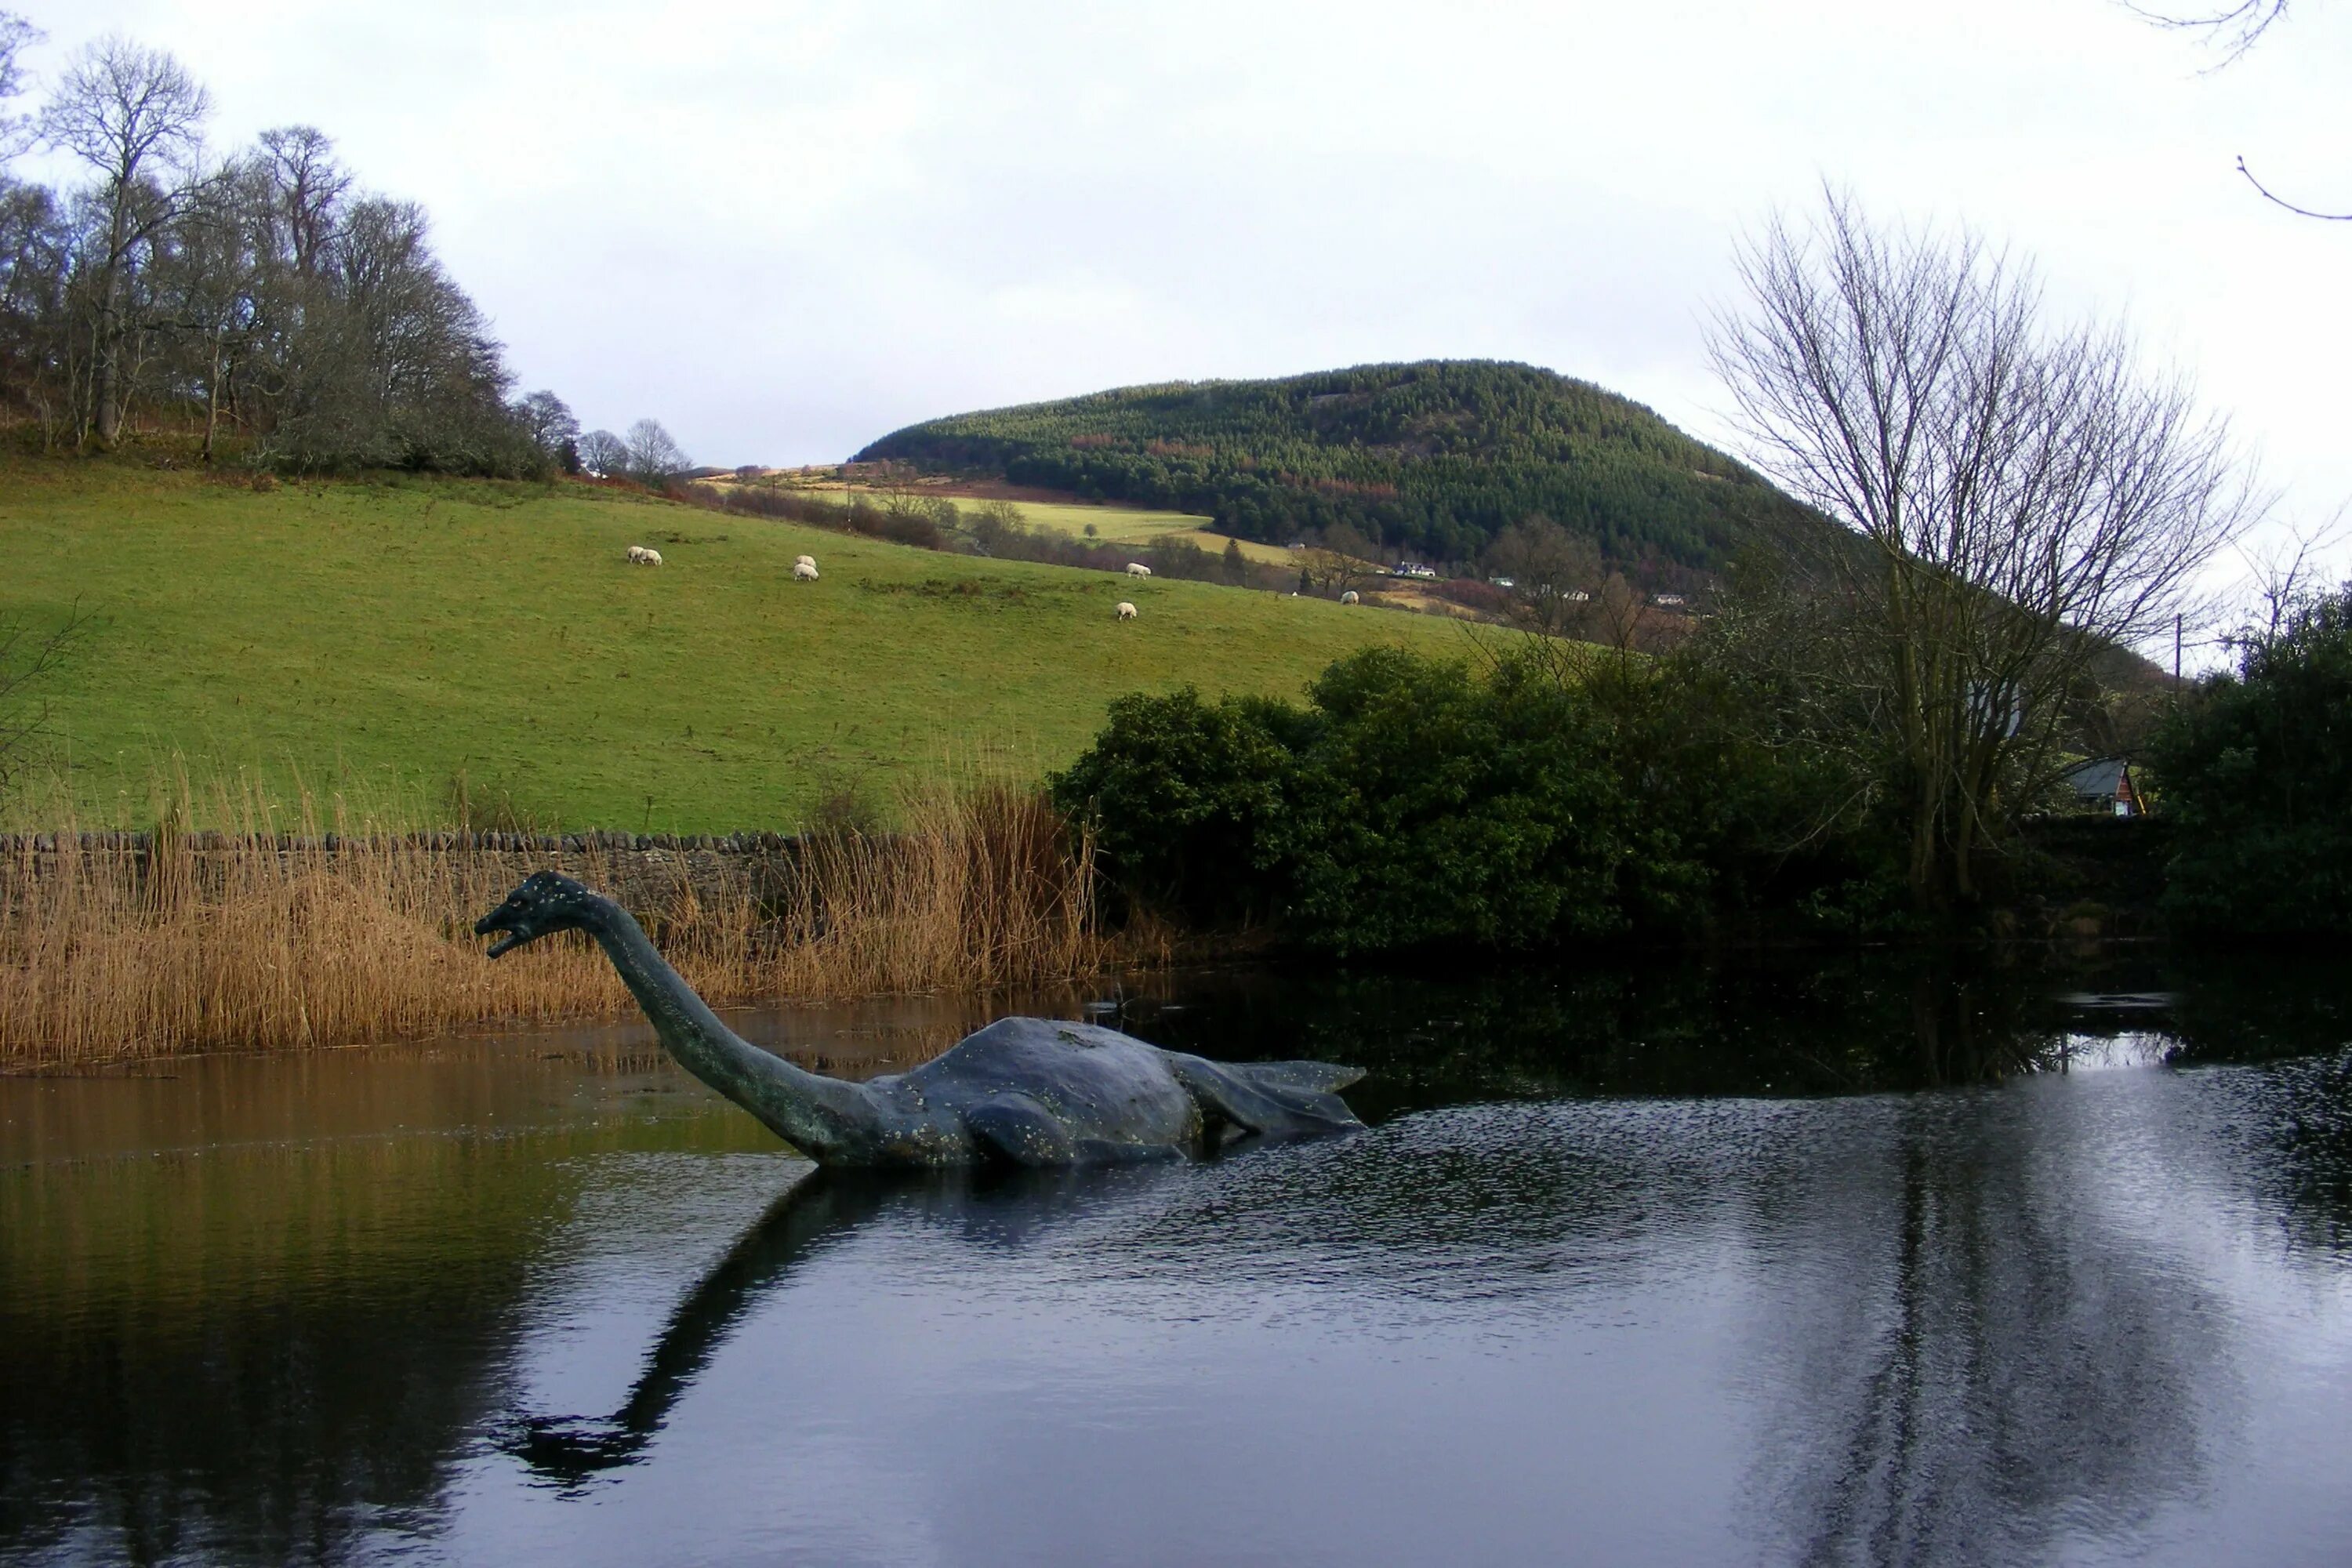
x: 2274, y: 197
x: 2283, y: 574
x: 2231, y: 31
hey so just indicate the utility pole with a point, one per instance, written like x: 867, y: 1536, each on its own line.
x: 2176, y: 649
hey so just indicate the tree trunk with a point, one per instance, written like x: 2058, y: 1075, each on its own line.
x: 212, y: 400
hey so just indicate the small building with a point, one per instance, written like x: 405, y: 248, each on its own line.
x: 1670, y: 601
x: 2106, y: 782
x: 1413, y: 569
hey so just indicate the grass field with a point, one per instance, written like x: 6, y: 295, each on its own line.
x: 384, y: 638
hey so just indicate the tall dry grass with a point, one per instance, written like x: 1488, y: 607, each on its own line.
x: 274, y: 935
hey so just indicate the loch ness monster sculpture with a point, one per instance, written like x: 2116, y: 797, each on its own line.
x: 1022, y: 1091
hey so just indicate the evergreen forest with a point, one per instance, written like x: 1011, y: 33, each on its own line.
x: 1433, y: 460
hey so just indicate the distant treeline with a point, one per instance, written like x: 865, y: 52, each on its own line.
x: 263, y: 298
x: 1435, y: 459
x: 994, y: 528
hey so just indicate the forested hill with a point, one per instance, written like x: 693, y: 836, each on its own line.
x: 1436, y: 458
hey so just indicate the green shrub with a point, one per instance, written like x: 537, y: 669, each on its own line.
x: 1191, y: 800
x: 2256, y: 773
x: 1415, y: 803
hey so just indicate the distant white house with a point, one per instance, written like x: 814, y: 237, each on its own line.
x: 1413, y: 569
x: 1504, y: 582
x: 1670, y: 601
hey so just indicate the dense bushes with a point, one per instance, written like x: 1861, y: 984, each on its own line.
x: 1419, y: 804
x: 2257, y: 774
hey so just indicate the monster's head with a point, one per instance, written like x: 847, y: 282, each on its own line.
x: 547, y: 901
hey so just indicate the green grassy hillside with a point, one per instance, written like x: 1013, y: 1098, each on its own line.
x: 389, y: 637
x: 1436, y: 458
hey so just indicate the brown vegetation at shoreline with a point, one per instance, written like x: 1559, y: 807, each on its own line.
x: 271, y: 943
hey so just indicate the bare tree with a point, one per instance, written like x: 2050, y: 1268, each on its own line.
x: 2285, y: 575
x: 306, y: 187
x: 16, y: 35
x: 134, y: 115
x: 2018, y: 500
x: 654, y: 458
x: 603, y: 454
x: 1553, y: 573
x: 1619, y: 617
x: 1341, y: 559
x: 548, y: 421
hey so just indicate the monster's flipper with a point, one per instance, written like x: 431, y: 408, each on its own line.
x: 1277, y: 1099
x: 1017, y: 1129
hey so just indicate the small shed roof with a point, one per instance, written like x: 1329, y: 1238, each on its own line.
x: 2099, y: 777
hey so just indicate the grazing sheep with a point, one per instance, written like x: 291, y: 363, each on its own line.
x: 1348, y: 598
x: 803, y: 560
x: 1126, y: 610
x: 1137, y: 569
x: 803, y: 571
x: 641, y: 556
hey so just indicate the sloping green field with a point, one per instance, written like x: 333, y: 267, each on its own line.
x: 384, y: 638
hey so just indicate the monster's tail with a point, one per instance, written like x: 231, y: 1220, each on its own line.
x: 1277, y: 1099
x: 1313, y: 1077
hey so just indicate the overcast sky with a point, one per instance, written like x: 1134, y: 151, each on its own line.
x: 785, y: 229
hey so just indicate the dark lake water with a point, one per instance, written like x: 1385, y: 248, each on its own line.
x: 1882, y: 1260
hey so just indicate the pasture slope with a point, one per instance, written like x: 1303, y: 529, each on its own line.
x: 384, y: 638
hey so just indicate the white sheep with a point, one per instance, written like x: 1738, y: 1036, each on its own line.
x: 803, y: 571
x: 1126, y: 610
x: 641, y: 556
x: 803, y: 560
x: 1348, y: 598
x: 1137, y: 569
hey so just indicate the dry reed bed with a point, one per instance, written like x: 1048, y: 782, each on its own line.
x: 268, y: 943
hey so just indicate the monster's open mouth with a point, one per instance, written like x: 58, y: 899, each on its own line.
x: 498, y: 922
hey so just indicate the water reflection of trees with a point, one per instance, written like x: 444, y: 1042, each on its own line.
x: 1765, y: 1024
x: 1984, y: 1365
x: 243, y: 1353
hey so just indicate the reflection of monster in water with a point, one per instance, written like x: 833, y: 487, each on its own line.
x: 570, y: 1450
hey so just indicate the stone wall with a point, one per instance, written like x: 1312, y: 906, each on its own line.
x: 645, y: 872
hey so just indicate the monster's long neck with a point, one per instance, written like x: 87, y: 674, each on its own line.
x: 824, y: 1118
